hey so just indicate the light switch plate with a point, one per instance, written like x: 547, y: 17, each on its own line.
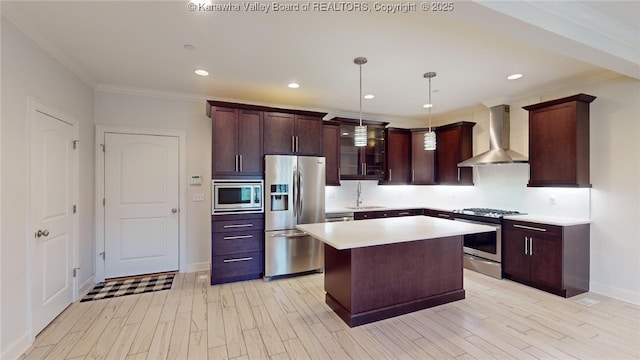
x: 198, y: 197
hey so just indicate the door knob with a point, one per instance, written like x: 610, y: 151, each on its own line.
x: 41, y: 233
x: 174, y: 210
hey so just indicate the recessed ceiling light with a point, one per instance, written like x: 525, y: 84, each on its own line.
x: 202, y: 72
x: 369, y: 96
x: 189, y: 47
x: 514, y: 76
x: 293, y: 85
x: 426, y: 106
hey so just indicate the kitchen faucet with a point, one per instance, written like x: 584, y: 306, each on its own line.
x: 358, y: 194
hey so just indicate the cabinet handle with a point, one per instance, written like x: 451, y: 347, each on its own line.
x: 297, y: 144
x: 339, y: 174
x: 237, y: 237
x: 390, y: 177
x: 443, y: 216
x: 293, y: 144
x: 237, y: 226
x: 364, y: 165
x: 240, y: 156
x: 458, y: 174
x: 530, y: 246
x: 526, y: 245
x: 238, y: 259
x: 413, y: 175
x: 529, y: 227
x: 236, y: 164
x: 404, y: 213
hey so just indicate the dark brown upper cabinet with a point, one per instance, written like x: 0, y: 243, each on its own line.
x: 559, y: 142
x: 423, y: 162
x: 331, y: 151
x: 454, y: 144
x: 236, y: 142
x: 397, y: 156
x: 366, y: 162
x: 292, y: 134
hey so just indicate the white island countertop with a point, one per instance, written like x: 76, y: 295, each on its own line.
x: 362, y: 233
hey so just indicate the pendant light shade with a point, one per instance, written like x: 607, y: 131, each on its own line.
x: 360, y: 133
x: 430, y: 136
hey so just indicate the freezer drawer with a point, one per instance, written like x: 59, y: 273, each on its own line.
x: 290, y: 252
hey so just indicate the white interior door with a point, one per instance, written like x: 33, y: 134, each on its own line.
x: 141, y: 204
x: 52, y: 187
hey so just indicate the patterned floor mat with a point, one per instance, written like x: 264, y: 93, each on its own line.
x: 115, y: 288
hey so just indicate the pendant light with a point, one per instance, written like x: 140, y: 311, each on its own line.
x: 430, y: 136
x: 360, y: 133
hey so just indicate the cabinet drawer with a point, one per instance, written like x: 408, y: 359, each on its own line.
x: 237, y: 265
x: 534, y: 228
x: 237, y: 225
x: 225, y: 243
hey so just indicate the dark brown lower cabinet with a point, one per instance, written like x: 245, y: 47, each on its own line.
x: 237, y: 247
x: 548, y: 257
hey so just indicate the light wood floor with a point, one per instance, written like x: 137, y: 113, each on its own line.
x: 288, y: 319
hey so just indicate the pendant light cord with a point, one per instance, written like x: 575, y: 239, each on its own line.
x: 360, y: 66
x: 430, y: 104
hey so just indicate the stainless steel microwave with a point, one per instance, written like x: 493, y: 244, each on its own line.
x: 236, y: 196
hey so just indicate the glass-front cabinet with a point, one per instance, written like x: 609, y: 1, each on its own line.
x: 366, y: 162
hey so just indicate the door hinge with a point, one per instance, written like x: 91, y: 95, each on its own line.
x: 103, y: 147
x: 75, y: 209
x: 102, y: 254
x: 75, y: 144
x: 75, y: 272
x: 103, y: 201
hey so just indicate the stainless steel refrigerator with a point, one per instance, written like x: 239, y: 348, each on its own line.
x: 294, y: 194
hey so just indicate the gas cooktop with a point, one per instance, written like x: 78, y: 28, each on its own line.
x: 486, y: 212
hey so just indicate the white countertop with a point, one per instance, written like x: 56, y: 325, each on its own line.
x: 351, y: 209
x: 362, y: 233
x: 549, y: 220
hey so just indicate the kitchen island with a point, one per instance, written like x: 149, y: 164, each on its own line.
x: 381, y: 268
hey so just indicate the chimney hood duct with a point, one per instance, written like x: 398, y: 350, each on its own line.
x: 499, y: 152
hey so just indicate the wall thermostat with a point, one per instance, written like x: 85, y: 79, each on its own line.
x: 195, y: 180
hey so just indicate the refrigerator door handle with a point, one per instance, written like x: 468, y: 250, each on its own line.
x: 295, y: 192
x: 300, y: 193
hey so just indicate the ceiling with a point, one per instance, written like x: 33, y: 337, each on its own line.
x: 252, y: 56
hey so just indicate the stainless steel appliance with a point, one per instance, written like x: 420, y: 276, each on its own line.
x: 236, y: 196
x: 483, y: 251
x: 294, y: 195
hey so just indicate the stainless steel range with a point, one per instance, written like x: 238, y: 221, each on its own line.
x: 483, y: 251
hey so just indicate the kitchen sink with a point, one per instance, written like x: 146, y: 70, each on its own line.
x: 364, y: 207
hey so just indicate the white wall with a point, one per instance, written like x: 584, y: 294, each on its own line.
x: 613, y: 203
x: 27, y: 70
x: 153, y: 112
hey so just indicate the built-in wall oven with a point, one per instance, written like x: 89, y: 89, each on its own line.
x: 483, y: 251
x: 236, y: 196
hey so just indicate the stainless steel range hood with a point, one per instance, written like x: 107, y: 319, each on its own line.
x: 499, y: 152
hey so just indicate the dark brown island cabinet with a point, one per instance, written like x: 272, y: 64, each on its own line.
x: 236, y: 142
x: 397, y: 147
x: 293, y: 134
x: 423, y: 162
x: 454, y: 144
x: 237, y: 247
x: 559, y: 142
x: 548, y: 257
x: 331, y: 151
x: 366, y: 162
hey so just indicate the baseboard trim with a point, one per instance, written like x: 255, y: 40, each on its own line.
x: 17, y: 348
x: 616, y: 293
x: 195, y: 267
x: 85, y: 287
